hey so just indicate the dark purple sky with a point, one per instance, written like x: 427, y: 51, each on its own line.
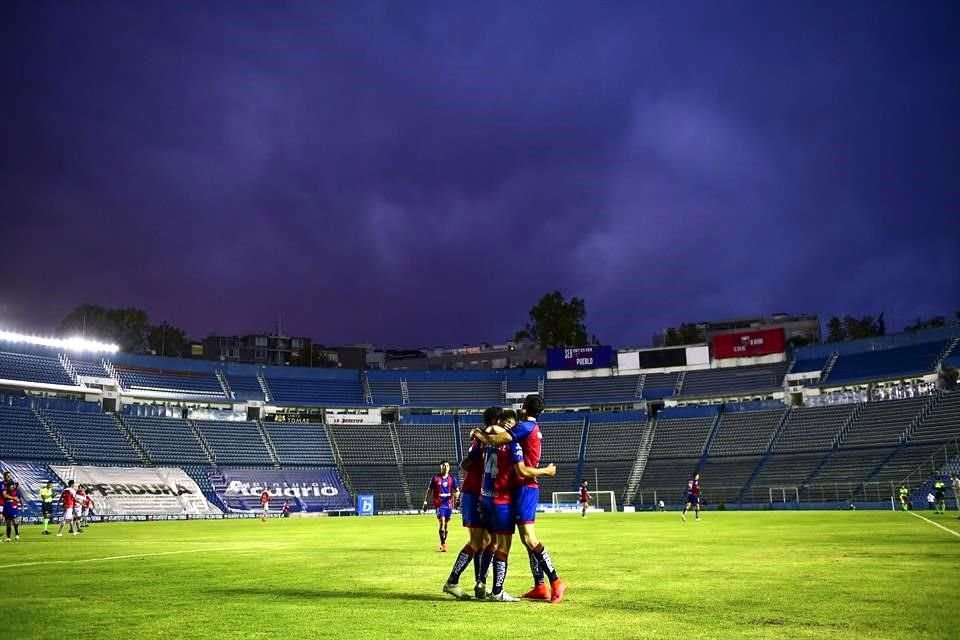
x: 420, y: 173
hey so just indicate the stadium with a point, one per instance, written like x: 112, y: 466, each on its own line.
x: 834, y: 428
x: 419, y: 320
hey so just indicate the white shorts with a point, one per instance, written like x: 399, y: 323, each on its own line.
x: 86, y: 512
x: 68, y: 515
x: 266, y: 508
x: 77, y: 512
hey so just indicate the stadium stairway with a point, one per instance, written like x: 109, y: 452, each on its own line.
x: 203, y: 443
x: 398, y: 452
x: 766, y: 457
x: 640, y: 464
x: 851, y: 420
x: 57, y: 437
x: 710, y: 438
x: 583, y: 449
x: 268, y: 444
x: 132, y: 439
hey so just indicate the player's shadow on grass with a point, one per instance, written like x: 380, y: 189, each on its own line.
x: 286, y: 591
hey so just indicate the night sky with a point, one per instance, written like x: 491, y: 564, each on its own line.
x: 414, y: 174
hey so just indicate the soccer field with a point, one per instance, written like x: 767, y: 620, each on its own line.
x: 864, y: 574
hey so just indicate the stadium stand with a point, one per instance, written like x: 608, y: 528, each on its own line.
x: 745, y: 432
x: 428, y: 440
x: 314, y: 387
x: 901, y: 361
x: 92, y: 437
x: 454, y: 389
x: 659, y: 385
x: 89, y: 368
x: 812, y: 428
x: 29, y: 367
x: 733, y: 381
x: 300, y: 444
x: 565, y: 392
x: 883, y: 423
x: 243, y: 382
x: 682, y: 437
x: 166, y: 440
x: 234, y: 442
x: 613, y: 441
x: 809, y: 365
x: 363, y: 444
x: 385, y: 388
x: 183, y: 383
x: 942, y: 424
x: 23, y: 436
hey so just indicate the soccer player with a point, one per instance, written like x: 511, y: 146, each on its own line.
x: 69, y: 498
x: 693, y: 497
x: 446, y: 490
x: 264, y: 505
x: 285, y: 509
x: 479, y: 548
x: 904, y: 494
x: 46, y: 506
x: 955, y: 481
x: 527, y: 496
x: 11, y: 508
x: 87, y: 506
x: 939, y: 487
x: 79, y: 499
x: 584, y: 498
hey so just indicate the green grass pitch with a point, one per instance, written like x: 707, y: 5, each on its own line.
x: 856, y: 575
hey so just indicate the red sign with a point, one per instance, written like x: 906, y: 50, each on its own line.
x: 747, y: 344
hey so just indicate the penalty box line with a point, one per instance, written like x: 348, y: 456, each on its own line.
x: 138, y: 555
x: 936, y: 524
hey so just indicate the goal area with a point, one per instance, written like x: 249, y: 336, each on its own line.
x: 564, y: 501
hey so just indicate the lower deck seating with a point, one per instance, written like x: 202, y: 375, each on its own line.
x: 167, y: 440
x: 23, y: 437
x: 92, y: 437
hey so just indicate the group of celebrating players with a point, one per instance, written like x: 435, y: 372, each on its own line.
x: 499, y: 494
x: 77, y: 505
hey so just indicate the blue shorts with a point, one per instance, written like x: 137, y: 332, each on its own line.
x: 444, y: 513
x: 470, y: 511
x: 498, y: 518
x: 11, y: 512
x: 525, y: 502
x: 692, y: 499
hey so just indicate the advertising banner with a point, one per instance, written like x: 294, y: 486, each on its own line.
x: 126, y: 491
x: 595, y: 357
x: 365, y: 504
x: 304, y: 489
x: 746, y: 344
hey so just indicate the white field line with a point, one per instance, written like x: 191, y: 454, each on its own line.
x: 936, y: 524
x: 137, y: 555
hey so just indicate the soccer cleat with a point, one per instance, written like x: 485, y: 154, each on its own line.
x: 683, y: 517
x: 558, y: 587
x: 6, y: 539
x: 503, y: 596
x: 456, y: 591
x: 539, y: 592
x: 59, y: 535
x: 443, y: 548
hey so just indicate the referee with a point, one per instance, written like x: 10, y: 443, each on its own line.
x: 46, y: 505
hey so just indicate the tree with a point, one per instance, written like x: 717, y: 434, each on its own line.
x: 834, y: 330
x: 854, y: 328
x: 129, y: 328
x: 166, y: 340
x: 555, y: 322
x: 686, y: 334
x: 926, y: 323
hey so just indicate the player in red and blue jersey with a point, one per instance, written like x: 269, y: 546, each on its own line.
x: 527, y: 496
x: 11, y: 507
x: 584, y: 498
x: 693, y: 497
x: 446, y: 490
x: 480, y: 548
